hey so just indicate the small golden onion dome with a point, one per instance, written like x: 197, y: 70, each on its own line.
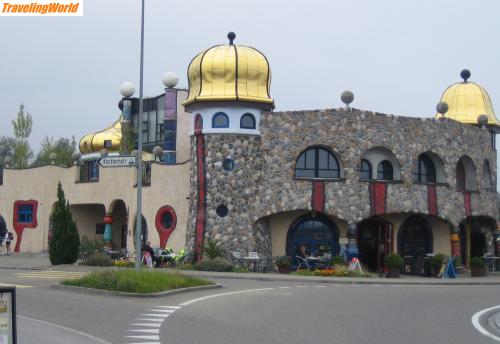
x: 108, y: 138
x: 466, y: 101
x: 229, y: 73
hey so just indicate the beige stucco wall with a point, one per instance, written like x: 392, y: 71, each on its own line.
x: 169, y: 186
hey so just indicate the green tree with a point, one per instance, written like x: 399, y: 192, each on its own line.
x: 7, y: 145
x: 63, y: 148
x: 65, y: 242
x: 23, y: 125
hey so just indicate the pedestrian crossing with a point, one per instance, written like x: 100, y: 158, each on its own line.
x: 52, y: 274
x: 146, y: 328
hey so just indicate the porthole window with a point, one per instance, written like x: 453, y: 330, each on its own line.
x: 222, y: 210
x: 247, y: 121
x: 220, y: 120
x: 166, y: 219
x: 228, y: 165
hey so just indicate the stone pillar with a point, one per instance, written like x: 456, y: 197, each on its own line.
x: 108, y: 231
x: 352, y: 241
x: 455, y: 245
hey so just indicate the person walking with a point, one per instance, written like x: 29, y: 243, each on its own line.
x: 8, y: 239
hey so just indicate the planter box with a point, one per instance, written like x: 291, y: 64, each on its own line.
x: 476, y: 272
x: 283, y: 269
x: 393, y: 273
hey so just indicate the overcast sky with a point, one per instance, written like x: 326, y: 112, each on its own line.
x: 396, y: 56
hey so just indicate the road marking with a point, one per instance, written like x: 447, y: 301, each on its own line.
x: 284, y: 287
x: 187, y: 303
x: 52, y: 274
x: 20, y: 286
x: 66, y: 328
x: 301, y: 286
x: 146, y: 330
x: 173, y: 307
x: 163, y: 310
x: 320, y: 286
x: 153, y: 320
x: 145, y: 337
x: 149, y: 319
x: 156, y: 315
x: 477, y: 325
x: 147, y: 325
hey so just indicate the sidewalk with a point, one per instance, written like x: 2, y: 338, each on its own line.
x: 40, y: 261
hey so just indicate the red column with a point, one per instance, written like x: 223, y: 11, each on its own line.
x: 432, y: 199
x: 202, y: 188
x: 318, y: 196
x: 378, y: 197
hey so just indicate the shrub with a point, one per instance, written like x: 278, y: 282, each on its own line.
x: 241, y: 269
x: 213, y: 249
x: 337, y: 260
x: 89, y: 247
x: 216, y: 264
x: 283, y: 261
x: 99, y: 259
x: 65, y: 243
x: 476, y: 262
x: 438, y: 260
x: 393, y: 260
x: 123, y: 263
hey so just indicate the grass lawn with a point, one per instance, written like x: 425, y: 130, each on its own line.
x: 132, y: 281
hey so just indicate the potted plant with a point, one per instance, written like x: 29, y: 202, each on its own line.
x: 283, y: 264
x: 476, y: 267
x: 393, y: 263
x: 437, y: 263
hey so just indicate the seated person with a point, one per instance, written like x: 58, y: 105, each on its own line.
x: 149, y: 249
x: 301, y: 251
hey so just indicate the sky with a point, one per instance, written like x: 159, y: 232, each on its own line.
x: 396, y: 56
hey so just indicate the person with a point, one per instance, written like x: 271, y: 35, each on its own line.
x: 3, y: 229
x: 301, y: 251
x: 8, y: 238
x: 149, y: 254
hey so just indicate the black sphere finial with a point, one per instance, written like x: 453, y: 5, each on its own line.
x: 231, y: 36
x: 120, y: 104
x: 465, y: 74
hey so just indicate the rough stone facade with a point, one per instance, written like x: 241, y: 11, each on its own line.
x: 263, y: 181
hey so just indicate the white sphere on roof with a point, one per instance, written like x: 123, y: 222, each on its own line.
x: 127, y: 89
x: 170, y: 79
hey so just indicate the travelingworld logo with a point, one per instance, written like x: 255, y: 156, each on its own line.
x: 42, y: 8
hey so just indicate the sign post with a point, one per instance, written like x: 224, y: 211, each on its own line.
x: 8, y: 331
x: 117, y: 161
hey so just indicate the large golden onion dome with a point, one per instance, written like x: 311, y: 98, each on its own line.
x: 108, y: 138
x: 229, y: 73
x: 466, y: 101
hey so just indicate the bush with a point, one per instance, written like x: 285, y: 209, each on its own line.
x: 65, y: 243
x: 337, y: 260
x: 241, y: 269
x: 216, y: 264
x: 89, y: 247
x: 476, y: 262
x: 99, y: 259
x: 283, y: 261
x: 393, y: 260
x: 213, y: 249
x: 132, y: 281
x: 438, y: 260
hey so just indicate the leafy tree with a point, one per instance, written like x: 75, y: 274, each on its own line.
x: 63, y: 148
x: 22, y: 130
x: 7, y: 145
x: 65, y: 242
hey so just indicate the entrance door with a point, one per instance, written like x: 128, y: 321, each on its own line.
x: 373, y: 243
x: 415, y: 241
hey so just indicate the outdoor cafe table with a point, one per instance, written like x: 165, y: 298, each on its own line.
x: 489, y: 262
x: 316, y: 261
x: 251, y: 261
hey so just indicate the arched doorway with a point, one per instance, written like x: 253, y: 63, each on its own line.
x: 144, y: 230
x: 414, y: 241
x: 374, y: 242
x: 319, y: 235
x: 477, y: 238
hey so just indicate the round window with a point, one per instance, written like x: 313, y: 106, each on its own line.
x: 228, y: 165
x: 167, y: 220
x: 222, y: 210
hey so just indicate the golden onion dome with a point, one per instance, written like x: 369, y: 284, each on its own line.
x: 229, y: 73
x: 108, y: 138
x: 466, y: 101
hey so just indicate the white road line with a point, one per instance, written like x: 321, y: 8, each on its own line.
x: 477, y: 325
x: 146, y: 330
x: 145, y: 337
x: 145, y: 343
x: 20, y: 286
x: 146, y: 324
x: 173, y: 307
x: 301, y: 286
x: 157, y: 315
x: 150, y: 319
x: 163, y: 310
x: 187, y: 303
x: 83, y: 334
x: 284, y: 287
x: 320, y: 286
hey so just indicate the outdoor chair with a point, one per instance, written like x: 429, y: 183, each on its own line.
x: 264, y: 265
x: 303, y: 263
x: 237, y: 259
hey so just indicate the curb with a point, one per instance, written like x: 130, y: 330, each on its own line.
x: 333, y: 280
x: 119, y: 293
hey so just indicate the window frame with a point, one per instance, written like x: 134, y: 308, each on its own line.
x: 248, y: 115
x: 316, y: 168
x: 383, y: 173
x: 362, y: 170
x: 217, y: 115
x: 422, y: 177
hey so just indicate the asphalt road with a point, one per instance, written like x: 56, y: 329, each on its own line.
x: 276, y: 312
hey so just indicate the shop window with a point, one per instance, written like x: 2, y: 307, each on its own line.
x: 25, y: 213
x: 366, y: 170
x: 220, y: 120
x: 247, y: 121
x: 317, y: 163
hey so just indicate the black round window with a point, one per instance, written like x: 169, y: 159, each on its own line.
x: 167, y: 220
x: 228, y: 165
x: 222, y: 210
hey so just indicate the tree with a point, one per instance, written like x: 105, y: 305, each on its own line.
x: 22, y: 130
x: 65, y: 242
x: 7, y: 145
x: 63, y: 148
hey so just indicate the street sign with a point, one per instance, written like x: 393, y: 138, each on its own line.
x: 117, y: 161
x: 8, y: 331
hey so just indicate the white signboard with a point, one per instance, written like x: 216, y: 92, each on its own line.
x: 117, y: 161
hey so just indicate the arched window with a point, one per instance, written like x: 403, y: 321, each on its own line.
x: 366, y: 169
x: 317, y: 163
x: 426, y: 171
x: 466, y: 174
x: 487, y: 178
x: 247, y: 121
x: 220, y: 120
x: 384, y: 170
x: 460, y: 173
x: 198, y: 122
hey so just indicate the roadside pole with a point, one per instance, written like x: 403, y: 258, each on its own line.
x: 138, y: 219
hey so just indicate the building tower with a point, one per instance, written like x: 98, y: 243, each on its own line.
x: 228, y: 90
